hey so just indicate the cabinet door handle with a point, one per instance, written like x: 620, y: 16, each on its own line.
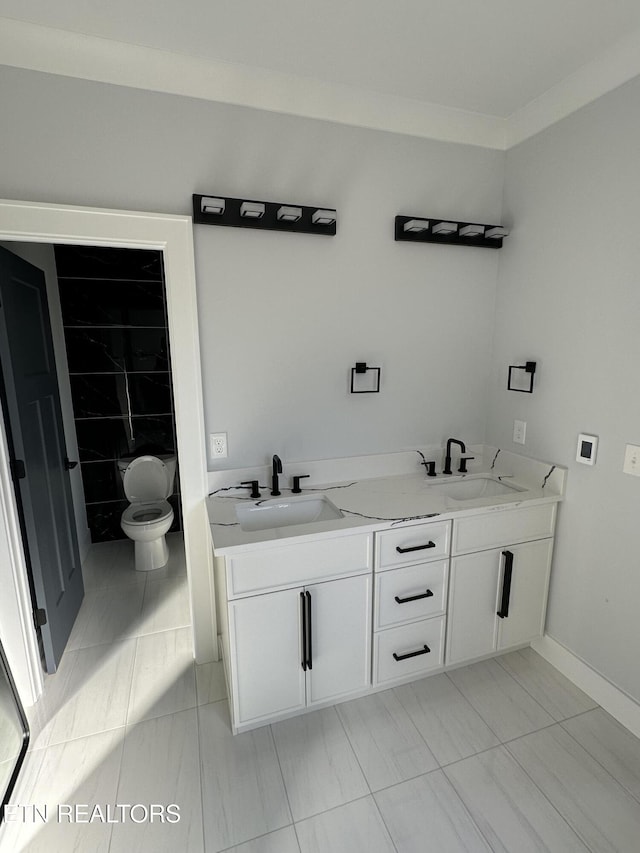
x: 506, y: 584
x: 423, y: 651
x: 303, y: 613
x: 426, y: 594
x: 415, y: 548
x: 309, y: 629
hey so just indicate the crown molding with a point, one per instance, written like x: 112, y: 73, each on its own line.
x: 612, y: 69
x: 54, y: 51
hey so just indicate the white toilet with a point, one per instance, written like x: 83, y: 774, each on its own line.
x: 148, y: 482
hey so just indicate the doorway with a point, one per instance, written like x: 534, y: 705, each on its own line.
x: 31, y: 222
x: 36, y: 438
x: 99, y: 315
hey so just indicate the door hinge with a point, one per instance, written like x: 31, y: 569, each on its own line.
x: 18, y: 470
x: 40, y: 617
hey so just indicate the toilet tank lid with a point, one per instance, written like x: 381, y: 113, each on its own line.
x: 146, y: 479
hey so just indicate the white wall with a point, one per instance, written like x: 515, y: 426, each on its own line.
x: 284, y: 317
x: 569, y: 297
x: 42, y: 256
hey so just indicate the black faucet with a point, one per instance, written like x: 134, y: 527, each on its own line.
x: 277, y: 469
x: 447, y: 458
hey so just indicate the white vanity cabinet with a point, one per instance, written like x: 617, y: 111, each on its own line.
x: 411, y: 573
x: 314, y: 620
x: 303, y: 645
x: 498, y: 595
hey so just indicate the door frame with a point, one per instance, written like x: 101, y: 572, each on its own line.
x: 173, y: 235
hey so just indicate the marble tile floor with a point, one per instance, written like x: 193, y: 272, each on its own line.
x: 505, y: 755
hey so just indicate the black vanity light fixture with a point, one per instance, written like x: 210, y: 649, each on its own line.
x: 421, y: 230
x: 529, y: 369
x: 267, y: 215
x: 365, y: 379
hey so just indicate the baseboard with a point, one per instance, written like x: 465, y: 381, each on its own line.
x: 614, y: 700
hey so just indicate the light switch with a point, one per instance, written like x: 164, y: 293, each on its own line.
x: 632, y: 460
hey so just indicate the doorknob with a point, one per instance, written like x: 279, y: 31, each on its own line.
x: 69, y: 465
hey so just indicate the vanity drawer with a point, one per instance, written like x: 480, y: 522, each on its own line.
x: 295, y: 565
x: 416, y: 544
x: 410, y: 593
x: 409, y: 643
x: 503, y: 527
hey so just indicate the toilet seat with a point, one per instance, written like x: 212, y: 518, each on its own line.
x: 147, y: 512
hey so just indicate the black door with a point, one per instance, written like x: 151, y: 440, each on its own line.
x: 40, y: 466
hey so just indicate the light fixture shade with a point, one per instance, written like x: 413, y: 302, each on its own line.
x: 496, y: 233
x: 445, y: 228
x: 323, y: 217
x: 252, y: 209
x: 287, y: 213
x: 212, y: 205
x: 472, y: 231
x: 416, y: 225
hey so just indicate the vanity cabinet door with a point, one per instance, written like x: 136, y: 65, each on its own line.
x: 471, y: 622
x: 531, y: 564
x: 497, y: 599
x: 266, y: 653
x: 340, y: 638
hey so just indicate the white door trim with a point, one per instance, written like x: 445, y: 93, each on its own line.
x: 48, y: 223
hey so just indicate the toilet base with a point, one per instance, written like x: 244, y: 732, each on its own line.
x: 151, y: 555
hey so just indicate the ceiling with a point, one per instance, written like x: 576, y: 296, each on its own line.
x: 486, y: 64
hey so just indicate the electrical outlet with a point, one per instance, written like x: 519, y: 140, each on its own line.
x: 519, y: 431
x: 218, y: 444
x: 632, y: 460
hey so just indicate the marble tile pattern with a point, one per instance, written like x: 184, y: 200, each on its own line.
x: 116, y: 336
x: 504, y: 756
x: 106, y: 439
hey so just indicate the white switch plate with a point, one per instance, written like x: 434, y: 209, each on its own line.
x: 519, y: 431
x: 632, y: 460
x: 218, y: 445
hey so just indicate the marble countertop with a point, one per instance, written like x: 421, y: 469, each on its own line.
x: 378, y: 503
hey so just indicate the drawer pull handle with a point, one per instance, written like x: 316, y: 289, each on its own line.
x: 303, y: 615
x: 415, y: 548
x: 426, y: 594
x: 506, y: 584
x: 423, y: 651
x: 309, y: 632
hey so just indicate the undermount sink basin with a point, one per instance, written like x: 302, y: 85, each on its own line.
x: 285, y: 512
x: 473, y: 487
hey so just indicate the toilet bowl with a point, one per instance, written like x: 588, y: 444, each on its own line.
x: 148, y: 482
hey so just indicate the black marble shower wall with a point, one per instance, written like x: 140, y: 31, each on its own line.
x: 115, y: 326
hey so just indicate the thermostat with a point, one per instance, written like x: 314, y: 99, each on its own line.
x: 587, y: 447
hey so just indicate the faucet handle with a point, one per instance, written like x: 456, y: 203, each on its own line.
x: 296, y: 482
x: 431, y: 468
x: 463, y: 464
x: 253, y: 484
